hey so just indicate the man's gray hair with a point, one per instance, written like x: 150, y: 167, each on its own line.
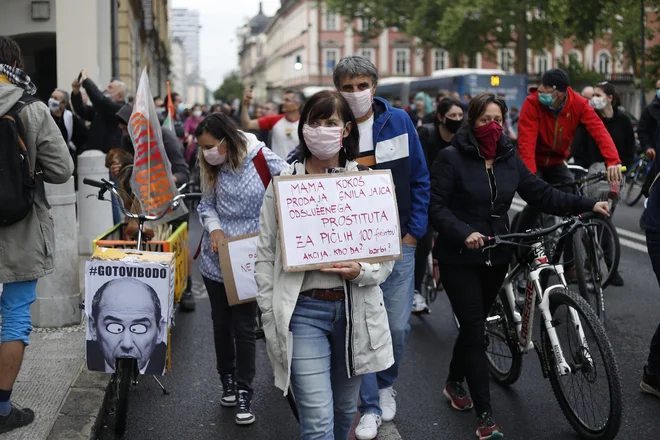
x: 65, y: 96
x: 352, y: 66
x: 123, y: 88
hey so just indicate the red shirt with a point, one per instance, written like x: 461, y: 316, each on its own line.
x: 545, y: 140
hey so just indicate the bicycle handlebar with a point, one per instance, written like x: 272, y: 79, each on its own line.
x: 536, y: 233
x: 105, y: 186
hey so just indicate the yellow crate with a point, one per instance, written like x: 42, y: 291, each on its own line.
x: 176, y: 243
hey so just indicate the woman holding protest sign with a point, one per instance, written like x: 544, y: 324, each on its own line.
x: 333, y: 319
x: 473, y: 183
x: 235, y: 169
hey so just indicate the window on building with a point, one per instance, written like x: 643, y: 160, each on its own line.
x: 604, y: 63
x: 363, y: 23
x: 331, y: 22
x: 368, y: 54
x: 439, y: 56
x: 402, y: 61
x: 331, y: 58
x: 506, y: 60
x: 542, y: 63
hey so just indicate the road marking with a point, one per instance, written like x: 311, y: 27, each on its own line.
x: 518, y: 205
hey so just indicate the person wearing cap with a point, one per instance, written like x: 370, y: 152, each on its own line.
x: 548, y: 122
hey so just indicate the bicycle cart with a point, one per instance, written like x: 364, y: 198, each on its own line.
x: 574, y: 350
x: 126, y: 369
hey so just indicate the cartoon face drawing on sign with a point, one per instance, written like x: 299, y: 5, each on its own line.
x: 127, y: 320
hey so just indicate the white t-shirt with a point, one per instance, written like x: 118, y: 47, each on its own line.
x: 284, y: 134
x: 367, y: 135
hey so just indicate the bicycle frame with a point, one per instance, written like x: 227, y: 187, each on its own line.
x: 536, y: 297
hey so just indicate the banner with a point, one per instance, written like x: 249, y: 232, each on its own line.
x: 238, y: 256
x: 152, y: 181
x: 332, y: 218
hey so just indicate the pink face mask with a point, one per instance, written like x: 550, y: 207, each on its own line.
x: 360, y: 102
x: 213, y: 157
x: 323, y: 142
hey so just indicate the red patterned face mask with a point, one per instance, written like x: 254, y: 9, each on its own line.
x: 487, y: 136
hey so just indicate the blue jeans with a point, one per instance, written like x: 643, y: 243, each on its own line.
x: 398, y: 292
x: 326, y: 398
x: 15, y: 303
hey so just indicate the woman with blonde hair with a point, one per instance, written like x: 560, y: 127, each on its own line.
x: 235, y: 169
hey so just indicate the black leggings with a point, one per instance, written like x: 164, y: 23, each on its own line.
x: 653, y: 245
x: 472, y: 289
x: 421, y: 256
x: 233, y: 334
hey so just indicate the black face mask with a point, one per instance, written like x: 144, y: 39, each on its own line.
x: 453, y: 125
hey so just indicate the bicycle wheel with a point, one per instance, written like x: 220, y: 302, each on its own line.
x: 590, y: 395
x: 634, y: 184
x: 608, y: 247
x: 587, y: 271
x: 124, y: 374
x: 502, y: 353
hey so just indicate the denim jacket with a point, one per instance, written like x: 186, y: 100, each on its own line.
x: 369, y: 343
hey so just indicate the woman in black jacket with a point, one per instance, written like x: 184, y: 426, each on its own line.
x: 606, y: 102
x: 472, y: 185
x: 434, y: 137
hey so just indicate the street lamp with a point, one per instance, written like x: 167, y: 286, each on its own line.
x: 298, y: 65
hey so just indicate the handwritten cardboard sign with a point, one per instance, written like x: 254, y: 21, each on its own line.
x: 330, y: 218
x: 238, y: 256
x: 151, y: 181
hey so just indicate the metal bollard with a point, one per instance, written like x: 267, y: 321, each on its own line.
x: 94, y: 216
x: 58, y: 294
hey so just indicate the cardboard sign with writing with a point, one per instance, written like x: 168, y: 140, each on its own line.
x: 331, y: 218
x: 238, y: 256
x: 152, y: 181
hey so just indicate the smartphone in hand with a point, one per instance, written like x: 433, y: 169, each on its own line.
x: 80, y: 76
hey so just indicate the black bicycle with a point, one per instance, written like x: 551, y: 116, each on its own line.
x: 126, y: 368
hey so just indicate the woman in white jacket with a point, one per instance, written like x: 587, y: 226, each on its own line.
x: 324, y: 328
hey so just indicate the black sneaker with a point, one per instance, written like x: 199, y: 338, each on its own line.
x: 616, y: 280
x: 650, y: 383
x: 244, y: 414
x: 17, y: 418
x: 228, y: 398
x: 187, y: 302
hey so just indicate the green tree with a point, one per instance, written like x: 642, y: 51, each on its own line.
x: 231, y: 88
x: 467, y: 27
x: 579, y: 76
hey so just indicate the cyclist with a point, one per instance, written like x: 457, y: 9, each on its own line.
x: 434, y: 137
x: 472, y: 185
x: 606, y: 102
x: 548, y: 122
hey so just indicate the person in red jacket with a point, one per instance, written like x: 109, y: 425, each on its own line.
x: 548, y: 121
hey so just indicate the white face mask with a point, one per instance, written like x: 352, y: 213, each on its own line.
x: 323, y: 142
x: 197, y: 113
x: 213, y: 157
x: 598, y: 102
x: 360, y: 102
x: 53, y: 104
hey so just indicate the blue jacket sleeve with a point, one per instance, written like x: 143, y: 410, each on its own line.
x: 420, y: 185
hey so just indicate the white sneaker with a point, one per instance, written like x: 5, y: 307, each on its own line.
x: 387, y: 403
x: 367, y: 429
x: 419, y: 303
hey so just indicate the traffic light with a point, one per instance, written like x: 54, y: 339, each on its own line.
x: 495, y: 81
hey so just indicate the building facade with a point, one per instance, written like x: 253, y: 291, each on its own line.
x: 302, y: 43
x: 59, y: 38
x: 185, y: 26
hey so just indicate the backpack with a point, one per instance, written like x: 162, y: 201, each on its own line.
x: 18, y: 180
x: 261, y: 165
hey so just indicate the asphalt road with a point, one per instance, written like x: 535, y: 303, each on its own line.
x: 525, y: 411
